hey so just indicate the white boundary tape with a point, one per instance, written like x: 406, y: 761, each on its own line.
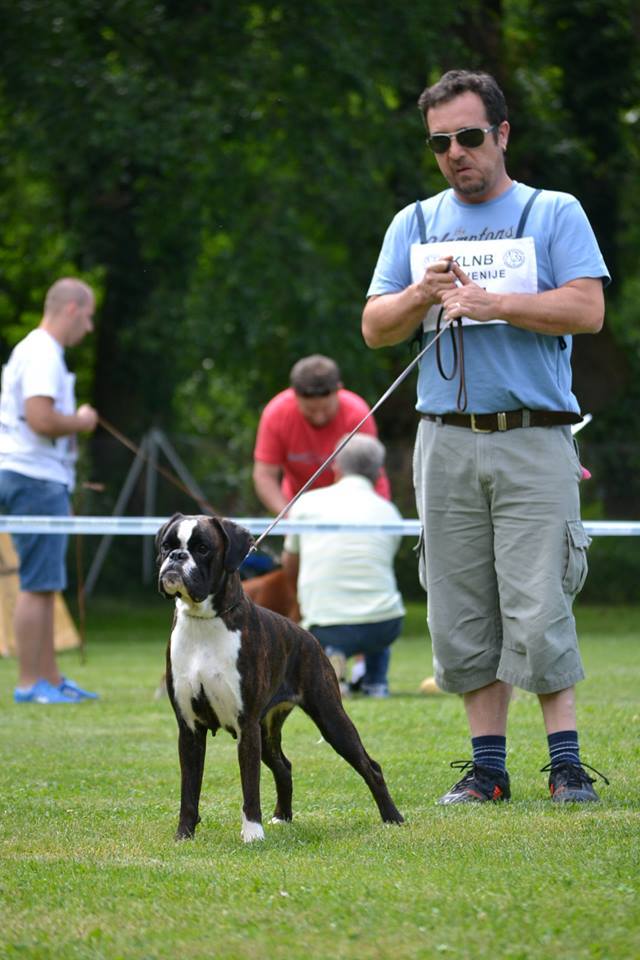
x: 148, y: 526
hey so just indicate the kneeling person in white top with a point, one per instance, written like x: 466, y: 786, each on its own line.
x: 346, y: 584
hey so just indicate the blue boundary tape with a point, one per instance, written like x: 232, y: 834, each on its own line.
x: 148, y: 526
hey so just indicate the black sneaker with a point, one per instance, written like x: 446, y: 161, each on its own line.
x: 570, y: 782
x: 478, y: 785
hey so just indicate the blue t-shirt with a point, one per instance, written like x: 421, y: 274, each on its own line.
x: 506, y: 368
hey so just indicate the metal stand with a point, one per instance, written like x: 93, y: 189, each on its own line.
x: 152, y: 442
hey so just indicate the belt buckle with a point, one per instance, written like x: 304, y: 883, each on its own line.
x: 475, y: 428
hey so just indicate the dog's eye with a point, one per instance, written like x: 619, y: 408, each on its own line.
x: 202, y: 550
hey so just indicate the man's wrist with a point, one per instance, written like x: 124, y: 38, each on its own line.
x: 497, y: 306
x: 420, y: 297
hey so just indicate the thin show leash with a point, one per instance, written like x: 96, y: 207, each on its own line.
x: 204, y: 504
x: 396, y: 383
x: 139, y: 452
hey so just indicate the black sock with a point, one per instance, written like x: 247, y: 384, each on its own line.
x: 563, y: 747
x: 490, y: 751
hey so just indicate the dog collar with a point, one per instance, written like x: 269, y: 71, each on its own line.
x: 231, y: 607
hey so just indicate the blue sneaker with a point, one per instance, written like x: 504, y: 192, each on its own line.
x: 42, y: 692
x: 71, y: 689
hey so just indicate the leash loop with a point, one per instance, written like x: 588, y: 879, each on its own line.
x: 457, y: 350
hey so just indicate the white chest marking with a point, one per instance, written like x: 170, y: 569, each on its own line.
x: 204, y: 656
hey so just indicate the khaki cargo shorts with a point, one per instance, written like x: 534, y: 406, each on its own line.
x: 504, y: 554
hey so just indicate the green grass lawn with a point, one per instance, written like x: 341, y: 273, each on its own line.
x: 89, y: 804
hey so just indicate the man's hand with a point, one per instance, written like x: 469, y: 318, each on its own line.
x: 87, y: 418
x: 468, y: 299
x: 438, y: 280
x: 390, y: 318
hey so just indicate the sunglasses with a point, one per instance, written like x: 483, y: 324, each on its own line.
x: 467, y: 137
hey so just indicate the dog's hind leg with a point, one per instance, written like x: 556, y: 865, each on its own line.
x: 192, y: 746
x: 274, y: 758
x: 339, y: 731
x: 249, y: 752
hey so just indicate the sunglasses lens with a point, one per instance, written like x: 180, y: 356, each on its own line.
x: 439, y: 143
x: 473, y: 137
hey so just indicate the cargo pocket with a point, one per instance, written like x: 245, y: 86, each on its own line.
x: 419, y: 551
x: 578, y: 542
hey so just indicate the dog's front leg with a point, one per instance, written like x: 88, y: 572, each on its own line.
x: 192, y: 745
x: 249, y: 759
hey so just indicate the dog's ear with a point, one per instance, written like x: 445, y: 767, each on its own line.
x: 163, y: 529
x: 237, y: 543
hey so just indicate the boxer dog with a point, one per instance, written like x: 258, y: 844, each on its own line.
x: 272, y: 590
x: 235, y: 665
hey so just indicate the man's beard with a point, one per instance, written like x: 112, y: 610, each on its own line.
x: 469, y: 188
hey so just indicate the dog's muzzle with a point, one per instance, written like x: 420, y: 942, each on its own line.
x: 170, y: 583
x: 171, y: 578
x: 182, y: 579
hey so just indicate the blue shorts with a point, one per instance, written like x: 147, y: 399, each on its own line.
x: 42, y: 555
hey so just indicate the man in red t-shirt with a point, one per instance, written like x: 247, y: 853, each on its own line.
x: 301, y: 426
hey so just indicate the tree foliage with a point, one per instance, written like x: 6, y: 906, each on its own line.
x: 223, y: 173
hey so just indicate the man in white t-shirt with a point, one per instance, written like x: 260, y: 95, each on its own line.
x: 346, y: 584
x: 38, y: 426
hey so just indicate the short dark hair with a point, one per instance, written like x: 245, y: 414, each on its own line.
x: 315, y: 376
x: 455, y: 82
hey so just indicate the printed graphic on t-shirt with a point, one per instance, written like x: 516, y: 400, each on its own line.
x: 306, y: 456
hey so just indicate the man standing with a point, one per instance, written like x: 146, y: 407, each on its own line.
x: 300, y: 427
x: 346, y: 583
x: 38, y: 426
x: 495, y: 470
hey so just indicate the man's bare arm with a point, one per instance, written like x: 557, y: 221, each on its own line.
x: 43, y: 418
x: 266, y: 481
x: 575, y: 307
x: 393, y: 317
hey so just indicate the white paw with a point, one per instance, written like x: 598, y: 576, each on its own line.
x: 251, y: 831
x: 277, y: 820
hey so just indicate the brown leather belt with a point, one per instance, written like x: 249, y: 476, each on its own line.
x: 507, y: 420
